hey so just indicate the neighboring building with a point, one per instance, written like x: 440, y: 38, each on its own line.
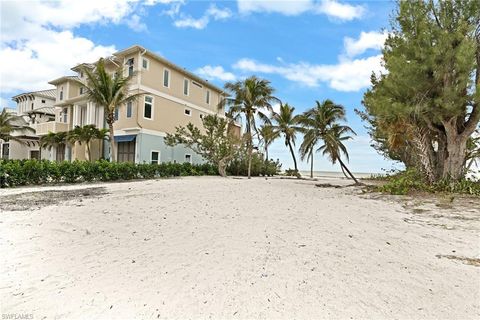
x: 170, y: 97
x: 32, y: 108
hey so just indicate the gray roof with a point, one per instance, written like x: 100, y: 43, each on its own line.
x: 49, y: 93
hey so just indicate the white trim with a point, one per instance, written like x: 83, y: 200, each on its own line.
x: 184, y: 103
x: 152, y: 104
x: 151, y: 159
x: 185, y: 158
x: 169, y: 78
x: 148, y: 64
x: 138, y: 130
x: 189, y: 114
x: 187, y: 81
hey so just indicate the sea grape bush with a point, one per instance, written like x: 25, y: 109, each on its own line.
x: 33, y: 172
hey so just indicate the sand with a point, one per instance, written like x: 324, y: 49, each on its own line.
x: 207, y: 247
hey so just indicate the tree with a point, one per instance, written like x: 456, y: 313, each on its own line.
x: 10, y: 123
x: 214, y: 142
x: 286, y: 123
x: 424, y: 109
x: 52, y: 139
x: 85, y: 135
x: 250, y: 98
x: 315, y: 123
x: 109, y: 92
x: 267, y: 135
x: 333, y: 146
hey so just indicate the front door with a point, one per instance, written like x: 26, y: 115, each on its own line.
x: 126, y: 151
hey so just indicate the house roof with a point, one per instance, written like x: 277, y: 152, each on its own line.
x: 63, y: 79
x: 135, y: 48
x: 49, y: 94
x: 43, y: 110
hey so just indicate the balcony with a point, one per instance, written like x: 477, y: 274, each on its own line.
x: 51, y: 126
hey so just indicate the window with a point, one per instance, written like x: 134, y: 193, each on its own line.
x: 130, y: 63
x: 207, y: 97
x: 43, y: 101
x: 81, y: 90
x: 81, y: 74
x: 155, y: 158
x: 115, y: 114
x: 188, y: 112
x: 166, y: 78
x: 148, y: 108
x: 61, y: 93
x: 65, y: 115
x: 5, y: 151
x: 188, y: 158
x: 201, y: 115
x: 186, y: 87
x: 145, y: 64
x: 129, y: 109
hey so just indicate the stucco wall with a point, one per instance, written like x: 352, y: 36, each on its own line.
x: 146, y: 143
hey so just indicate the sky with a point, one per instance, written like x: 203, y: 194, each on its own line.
x: 309, y: 49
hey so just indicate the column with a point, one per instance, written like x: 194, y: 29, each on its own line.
x: 76, y: 115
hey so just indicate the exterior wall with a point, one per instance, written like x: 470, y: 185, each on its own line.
x: 20, y: 151
x: 146, y: 143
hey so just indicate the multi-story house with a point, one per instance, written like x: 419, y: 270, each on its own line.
x: 169, y: 96
x: 32, y: 108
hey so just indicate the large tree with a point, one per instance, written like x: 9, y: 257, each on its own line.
x: 424, y: 109
x: 250, y: 99
x: 10, y: 123
x: 213, y: 142
x: 86, y: 134
x: 108, y: 91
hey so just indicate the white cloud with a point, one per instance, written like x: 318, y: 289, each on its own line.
x: 135, y: 23
x: 213, y: 12
x: 215, y: 73
x: 348, y: 74
x: 367, y: 40
x: 331, y: 8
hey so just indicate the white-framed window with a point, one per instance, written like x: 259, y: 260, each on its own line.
x: 166, y: 78
x: 207, y: 97
x: 65, y: 115
x: 186, y: 86
x: 115, y: 114
x: 130, y: 64
x: 188, y: 112
x: 148, y: 108
x: 201, y: 115
x: 61, y: 93
x: 145, y: 63
x: 129, y: 109
x: 188, y: 158
x: 155, y: 156
x: 81, y: 90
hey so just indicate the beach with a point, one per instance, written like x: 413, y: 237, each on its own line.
x: 233, y: 248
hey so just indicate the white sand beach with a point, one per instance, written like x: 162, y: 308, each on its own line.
x: 207, y: 247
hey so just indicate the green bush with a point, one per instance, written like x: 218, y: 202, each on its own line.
x: 410, y: 180
x: 33, y: 172
x: 260, y: 167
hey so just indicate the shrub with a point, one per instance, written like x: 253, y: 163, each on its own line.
x: 410, y: 180
x: 31, y: 172
x: 260, y: 167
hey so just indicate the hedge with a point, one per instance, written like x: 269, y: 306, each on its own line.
x: 33, y: 172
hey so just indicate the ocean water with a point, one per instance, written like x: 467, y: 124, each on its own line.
x: 333, y: 174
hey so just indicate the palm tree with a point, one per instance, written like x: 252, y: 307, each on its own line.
x: 250, y: 98
x: 333, y: 145
x: 86, y: 134
x: 108, y: 92
x: 287, y: 124
x: 315, y: 124
x: 52, y: 139
x: 267, y: 135
x: 9, y: 123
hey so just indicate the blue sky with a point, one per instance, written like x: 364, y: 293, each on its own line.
x: 309, y: 49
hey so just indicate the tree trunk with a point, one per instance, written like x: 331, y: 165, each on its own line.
x: 346, y: 169
x: 222, y: 168
x: 266, y: 152
x: 89, y: 155
x: 249, y: 169
x: 456, y: 147
x: 311, y: 164
x: 113, y: 154
x: 293, y: 155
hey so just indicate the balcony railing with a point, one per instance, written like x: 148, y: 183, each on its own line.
x: 51, y: 126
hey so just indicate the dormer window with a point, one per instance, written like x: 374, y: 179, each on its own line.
x: 61, y: 93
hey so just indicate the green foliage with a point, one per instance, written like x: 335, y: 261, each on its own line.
x: 33, y: 172
x: 9, y: 123
x: 215, y: 143
x: 410, y: 181
x: 259, y: 167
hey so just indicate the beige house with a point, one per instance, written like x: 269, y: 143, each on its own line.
x: 33, y: 108
x: 170, y: 96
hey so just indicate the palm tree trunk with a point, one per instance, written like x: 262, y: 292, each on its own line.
x: 89, y: 153
x: 250, y: 147
x: 266, y: 153
x: 311, y: 164
x: 293, y: 155
x: 346, y: 169
x: 113, y: 154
